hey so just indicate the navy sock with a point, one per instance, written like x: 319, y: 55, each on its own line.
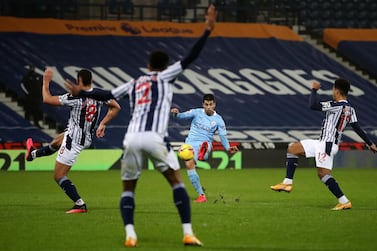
x: 69, y: 189
x: 45, y: 151
x: 332, y: 185
x: 182, y: 202
x: 127, y: 207
x: 291, y: 164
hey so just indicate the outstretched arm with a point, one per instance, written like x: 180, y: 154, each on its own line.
x: 99, y: 94
x: 362, y: 134
x: 183, y: 115
x: 95, y: 93
x: 198, y: 46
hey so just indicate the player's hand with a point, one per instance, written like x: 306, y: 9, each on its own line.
x: 316, y: 85
x: 174, y: 111
x: 233, y: 149
x: 100, y: 133
x: 72, y: 87
x: 373, y: 148
x: 211, y: 17
x: 48, y: 75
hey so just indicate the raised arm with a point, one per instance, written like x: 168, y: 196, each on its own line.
x: 199, y: 44
x: 314, y: 104
x: 47, y: 97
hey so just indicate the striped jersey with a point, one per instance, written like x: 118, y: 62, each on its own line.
x: 203, y: 126
x: 337, y: 116
x: 82, y: 119
x: 151, y: 97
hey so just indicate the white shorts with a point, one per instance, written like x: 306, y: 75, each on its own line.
x: 138, y: 147
x: 317, y: 149
x: 68, y: 151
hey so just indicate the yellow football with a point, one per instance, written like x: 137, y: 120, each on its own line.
x: 186, y: 152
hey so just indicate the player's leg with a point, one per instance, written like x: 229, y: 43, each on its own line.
x: 57, y: 141
x: 325, y: 176
x: 304, y: 147
x: 182, y: 202
x: 60, y: 176
x: 131, y: 164
x: 203, y: 149
x: 169, y: 167
x: 127, y: 209
x: 195, y: 180
x: 324, y: 161
x: 65, y: 159
x: 51, y: 148
x: 293, y: 152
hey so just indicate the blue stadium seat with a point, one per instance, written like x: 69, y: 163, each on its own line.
x: 14, y: 128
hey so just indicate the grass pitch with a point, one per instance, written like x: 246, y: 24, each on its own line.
x: 242, y: 212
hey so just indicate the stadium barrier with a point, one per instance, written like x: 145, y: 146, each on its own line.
x: 257, y: 155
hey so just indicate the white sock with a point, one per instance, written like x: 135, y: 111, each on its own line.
x: 187, y: 229
x: 287, y: 181
x: 130, y: 231
x: 79, y: 202
x: 343, y: 199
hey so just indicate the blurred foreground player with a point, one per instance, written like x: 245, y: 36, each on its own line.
x: 147, y: 132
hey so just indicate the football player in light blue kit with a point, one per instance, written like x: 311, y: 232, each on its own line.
x: 204, y: 123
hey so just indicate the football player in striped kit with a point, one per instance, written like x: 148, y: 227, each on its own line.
x: 205, y: 122
x: 83, y: 118
x: 151, y: 98
x: 338, y: 113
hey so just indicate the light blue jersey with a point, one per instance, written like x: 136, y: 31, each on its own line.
x: 203, y: 128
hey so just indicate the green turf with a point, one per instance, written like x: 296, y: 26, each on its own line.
x: 242, y: 212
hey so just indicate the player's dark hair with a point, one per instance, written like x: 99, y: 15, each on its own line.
x: 343, y: 85
x: 86, y: 77
x: 158, y: 60
x: 209, y: 97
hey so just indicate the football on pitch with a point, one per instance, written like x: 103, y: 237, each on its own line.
x: 186, y: 152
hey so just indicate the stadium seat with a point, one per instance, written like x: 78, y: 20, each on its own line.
x: 15, y: 128
x: 171, y: 9
x: 120, y: 7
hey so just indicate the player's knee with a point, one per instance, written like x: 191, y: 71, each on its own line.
x: 54, y: 144
x: 291, y: 148
x: 296, y: 148
x: 190, y: 164
x: 172, y: 176
x: 322, y: 172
